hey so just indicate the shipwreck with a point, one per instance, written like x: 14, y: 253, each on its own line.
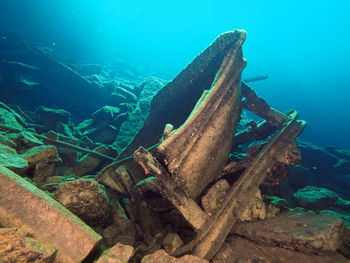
x: 182, y: 183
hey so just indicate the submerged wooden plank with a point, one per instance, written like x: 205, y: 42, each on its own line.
x: 25, y: 206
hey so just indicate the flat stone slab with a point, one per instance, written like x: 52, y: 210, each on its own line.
x: 238, y: 249
x: 25, y: 206
x: 300, y: 231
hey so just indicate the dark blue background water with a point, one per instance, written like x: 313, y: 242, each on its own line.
x: 302, y: 45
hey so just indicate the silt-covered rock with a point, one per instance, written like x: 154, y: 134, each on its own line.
x: 87, y: 200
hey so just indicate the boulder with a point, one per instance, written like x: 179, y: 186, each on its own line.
x: 300, y: 231
x: 109, y: 233
x: 6, y: 141
x: 315, y: 198
x: 121, y: 230
x: 17, y: 245
x: 117, y: 254
x: 215, y: 196
x: 120, y: 219
x: 254, y: 208
x: 171, y: 242
x: 42, y: 162
x: 49, y: 117
x: 106, y: 113
x: 274, y: 205
x: 12, y: 161
x: 86, y: 199
x: 102, y: 133
x: 65, y: 129
x: 24, y: 140
x: 104, y: 125
x: 9, y: 120
x: 88, y: 163
x: 341, y: 215
x: 117, y: 179
x: 164, y: 257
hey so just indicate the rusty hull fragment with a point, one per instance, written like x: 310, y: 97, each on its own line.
x: 25, y: 206
x: 178, y: 98
x: 196, y: 152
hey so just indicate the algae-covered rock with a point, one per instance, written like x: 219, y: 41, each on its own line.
x: 9, y: 120
x: 315, y: 198
x: 24, y: 140
x: 104, y: 125
x: 12, y: 161
x: 4, y: 140
x: 136, y: 118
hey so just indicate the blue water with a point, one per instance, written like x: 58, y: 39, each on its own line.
x: 303, y: 46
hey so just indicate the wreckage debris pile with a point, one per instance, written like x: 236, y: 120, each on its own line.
x: 124, y: 177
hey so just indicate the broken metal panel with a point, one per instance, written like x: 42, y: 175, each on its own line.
x: 196, y: 152
x: 25, y: 206
x: 176, y: 100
